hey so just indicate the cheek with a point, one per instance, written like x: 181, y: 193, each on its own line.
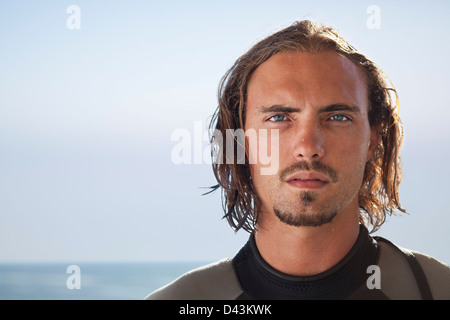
x: 263, y: 147
x: 266, y: 187
x: 349, y: 156
x: 354, y: 142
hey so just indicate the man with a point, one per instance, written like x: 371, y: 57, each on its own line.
x: 338, y: 142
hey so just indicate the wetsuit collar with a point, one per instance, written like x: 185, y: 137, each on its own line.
x: 260, y: 281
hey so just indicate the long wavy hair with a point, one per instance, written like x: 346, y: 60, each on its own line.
x: 378, y: 195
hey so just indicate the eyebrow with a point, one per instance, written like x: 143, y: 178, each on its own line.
x: 340, y: 107
x: 330, y: 108
x: 278, y: 108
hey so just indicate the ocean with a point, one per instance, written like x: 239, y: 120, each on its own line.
x: 87, y: 281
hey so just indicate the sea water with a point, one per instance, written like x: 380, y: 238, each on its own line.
x: 96, y: 281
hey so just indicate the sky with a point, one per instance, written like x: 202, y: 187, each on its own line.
x: 91, y: 93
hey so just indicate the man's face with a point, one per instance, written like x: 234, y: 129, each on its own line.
x: 319, y: 104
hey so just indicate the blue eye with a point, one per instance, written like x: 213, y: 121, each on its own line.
x: 338, y: 117
x: 277, y: 118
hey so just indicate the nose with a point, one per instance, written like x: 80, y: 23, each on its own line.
x: 309, y: 142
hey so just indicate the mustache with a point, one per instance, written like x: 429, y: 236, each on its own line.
x: 313, y: 166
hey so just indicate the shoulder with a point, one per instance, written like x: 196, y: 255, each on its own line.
x: 399, y: 278
x: 211, y: 282
x: 437, y: 274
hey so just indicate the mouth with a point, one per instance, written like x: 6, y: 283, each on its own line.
x: 307, y: 180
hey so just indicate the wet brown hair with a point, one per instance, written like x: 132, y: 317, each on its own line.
x: 378, y: 195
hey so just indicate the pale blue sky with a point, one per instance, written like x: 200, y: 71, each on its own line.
x: 86, y: 118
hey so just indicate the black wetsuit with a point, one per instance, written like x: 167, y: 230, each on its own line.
x: 345, y: 280
x: 403, y: 274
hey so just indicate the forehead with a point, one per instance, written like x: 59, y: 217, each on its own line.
x: 299, y: 78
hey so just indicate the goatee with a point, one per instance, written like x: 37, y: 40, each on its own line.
x: 303, y: 218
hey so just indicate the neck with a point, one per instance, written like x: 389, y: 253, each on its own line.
x: 304, y: 251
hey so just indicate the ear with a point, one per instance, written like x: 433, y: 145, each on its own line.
x: 373, y: 142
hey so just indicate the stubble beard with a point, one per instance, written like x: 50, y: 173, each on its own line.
x: 305, y: 210
x: 306, y: 215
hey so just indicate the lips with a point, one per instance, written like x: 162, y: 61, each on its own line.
x: 308, y: 180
